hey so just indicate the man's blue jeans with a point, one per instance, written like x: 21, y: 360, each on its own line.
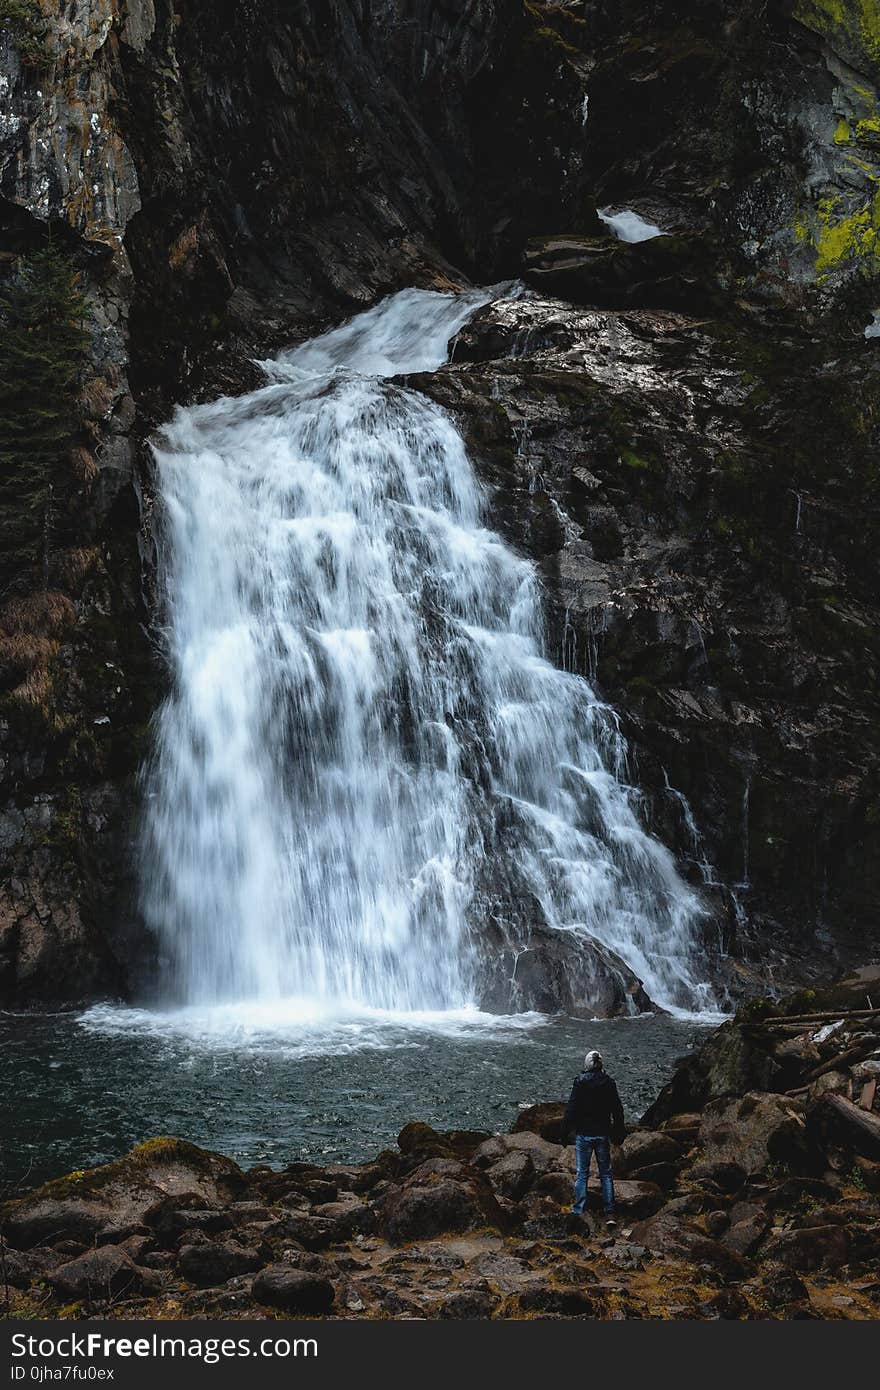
x: 584, y: 1146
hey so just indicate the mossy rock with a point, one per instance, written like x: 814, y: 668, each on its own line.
x: 86, y: 1201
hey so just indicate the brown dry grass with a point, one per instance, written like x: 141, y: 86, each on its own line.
x: 45, y: 613
x: 96, y: 398
x: 36, y: 690
x: 83, y: 464
x: 76, y: 564
x: 23, y: 650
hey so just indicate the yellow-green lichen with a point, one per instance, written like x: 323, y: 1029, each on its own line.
x: 841, y: 237
x: 854, y: 237
x: 850, y: 25
x: 868, y: 131
x: 841, y: 134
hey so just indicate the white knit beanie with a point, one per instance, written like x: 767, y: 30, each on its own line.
x: 593, y: 1061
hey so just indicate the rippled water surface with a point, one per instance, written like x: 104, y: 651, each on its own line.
x: 282, y: 1083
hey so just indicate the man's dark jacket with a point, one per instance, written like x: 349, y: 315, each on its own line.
x: 594, y: 1107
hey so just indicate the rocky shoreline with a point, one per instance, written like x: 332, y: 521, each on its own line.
x: 750, y: 1189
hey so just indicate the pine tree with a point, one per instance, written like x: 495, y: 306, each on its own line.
x: 42, y: 347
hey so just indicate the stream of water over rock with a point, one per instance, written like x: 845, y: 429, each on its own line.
x: 366, y: 756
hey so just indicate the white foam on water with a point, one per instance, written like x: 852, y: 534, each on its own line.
x: 628, y: 226
x: 303, y: 1027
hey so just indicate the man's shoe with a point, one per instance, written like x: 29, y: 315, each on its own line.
x: 610, y: 1223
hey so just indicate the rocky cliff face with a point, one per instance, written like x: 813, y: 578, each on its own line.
x: 682, y: 431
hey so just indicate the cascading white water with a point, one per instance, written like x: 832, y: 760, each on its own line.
x: 362, y: 727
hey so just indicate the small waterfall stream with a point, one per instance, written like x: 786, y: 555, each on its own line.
x: 364, y: 743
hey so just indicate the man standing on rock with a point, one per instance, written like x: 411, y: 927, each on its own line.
x: 594, y: 1115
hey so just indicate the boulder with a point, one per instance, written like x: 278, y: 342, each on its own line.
x: 351, y: 1177
x: 644, y: 1147
x: 559, y: 1186
x: 756, y: 1130
x: 626, y: 1255
x: 544, y: 1120
x: 419, y: 1139
x: 42, y: 1217
x: 214, y: 1263
x: 781, y: 1287
x: 637, y: 1199
x: 546, y: 1157
x: 119, y: 1194
x: 670, y: 1232
x: 421, y: 1211
x: 683, y: 1127
x: 715, y: 1223
x: 732, y: 1062
x: 348, y: 1218
x: 664, y: 1175
x: 98, y: 1275
x: 719, y: 1177
x: 173, y: 1217
x: 17, y: 1269
x: 468, y: 1304
x: 512, y: 1175
x: 312, y: 1232
x: 811, y: 1248
x: 744, y: 1236
x: 294, y: 1291
x: 868, y: 1173
x: 566, y: 1302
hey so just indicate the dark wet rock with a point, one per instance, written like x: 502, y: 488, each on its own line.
x: 729, y: 1304
x: 664, y: 1175
x: 672, y: 1233
x: 424, y: 1210
x: 348, y: 1218
x: 158, y: 1259
x: 559, y: 1186
x: 49, y: 1219
x: 421, y: 1141
x: 718, y: 1176
x: 512, y: 1175
x: 571, y: 1302
x: 730, y: 1062
x: 545, y: 1120
x: 171, y: 1218
x: 645, y: 1147
x: 626, y: 1255
x: 468, y: 1304
x: 294, y: 1291
x: 782, y: 1287
x: 83, y: 1204
x: 671, y: 272
x: 745, y: 1234
x: 756, y: 1130
x: 97, y: 1276
x: 545, y: 1156
x: 17, y: 1268
x: 312, y: 1232
x: 808, y: 1249
x: 715, y: 1223
x: 793, y: 1191
x: 637, y: 1199
x: 214, y: 1263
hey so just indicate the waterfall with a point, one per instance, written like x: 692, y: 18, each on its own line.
x: 364, y: 743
